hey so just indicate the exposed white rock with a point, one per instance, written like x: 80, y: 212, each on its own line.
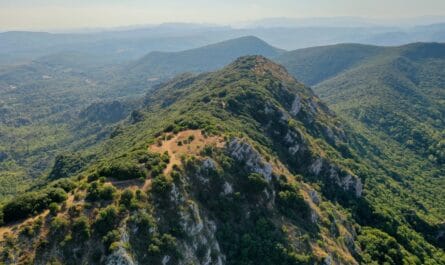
x: 314, y: 217
x: 208, y: 163
x: 242, y: 151
x: 352, y: 182
x: 296, y: 106
x: 316, y: 166
x: 165, y: 259
x: 227, y: 188
x: 201, y: 232
x: 358, y: 188
x: 294, y: 149
x: 174, y: 194
x: 120, y: 257
x: 328, y: 260
x: 293, y: 140
x: 347, y: 182
x: 314, y: 197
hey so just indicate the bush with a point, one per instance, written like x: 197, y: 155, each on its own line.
x: 107, y: 192
x: 65, y: 184
x: 291, y: 200
x: 160, y: 185
x: 379, y: 247
x: 256, y: 182
x: 127, y: 198
x: 81, y: 228
x: 66, y: 165
x: 53, y: 208
x: 59, y: 227
x: 31, y: 203
x: 98, y: 191
x: 107, y: 220
x: 110, y: 238
x: 93, y: 177
x: 122, y: 171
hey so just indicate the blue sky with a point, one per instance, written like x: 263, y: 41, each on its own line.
x: 32, y: 14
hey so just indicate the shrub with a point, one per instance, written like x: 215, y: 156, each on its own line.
x: 98, y: 191
x: 31, y: 203
x: 110, y: 238
x: 93, y: 192
x: 53, y: 208
x: 65, y: 184
x: 66, y: 165
x: 256, y: 182
x: 160, y: 185
x: 379, y: 247
x: 107, y: 192
x: 93, y: 177
x: 127, y: 198
x: 81, y: 228
x: 122, y: 171
x: 58, y: 227
x: 107, y: 220
x: 292, y: 204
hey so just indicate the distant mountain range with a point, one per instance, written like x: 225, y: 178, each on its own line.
x: 124, y: 45
x: 203, y: 59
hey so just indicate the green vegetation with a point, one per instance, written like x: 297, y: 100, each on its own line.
x: 286, y: 187
x: 122, y: 171
x: 32, y: 203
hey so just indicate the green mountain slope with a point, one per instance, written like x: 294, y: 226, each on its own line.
x: 203, y: 59
x: 67, y: 101
x: 395, y: 99
x: 314, y: 65
x: 240, y: 166
x: 399, y: 92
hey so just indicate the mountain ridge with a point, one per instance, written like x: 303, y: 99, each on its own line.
x: 277, y: 179
x: 203, y: 59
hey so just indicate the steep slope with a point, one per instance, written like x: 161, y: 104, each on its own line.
x: 203, y: 59
x: 314, y: 65
x: 400, y: 92
x: 240, y: 166
x: 395, y: 99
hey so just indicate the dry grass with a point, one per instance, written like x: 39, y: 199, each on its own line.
x: 181, y: 144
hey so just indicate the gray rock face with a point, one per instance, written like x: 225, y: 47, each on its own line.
x: 244, y: 152
x: 294, y: 141
x: 322, y: 168
x: 201, y: 232
x: 328, y: 260
x: 228, y: 189
x: 296, y: 106
x: 208, y: 163
x: 120, y: 257
x: 314, y: 197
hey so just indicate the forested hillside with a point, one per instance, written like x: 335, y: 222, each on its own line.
x: 240, y: 166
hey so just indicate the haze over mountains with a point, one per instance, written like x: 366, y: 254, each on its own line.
x: 123, y: 45
x: 181, y: 144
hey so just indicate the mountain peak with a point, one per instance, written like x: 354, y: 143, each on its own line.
x: 262, y: 66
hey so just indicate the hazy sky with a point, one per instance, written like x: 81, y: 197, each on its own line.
x: 40, y: 14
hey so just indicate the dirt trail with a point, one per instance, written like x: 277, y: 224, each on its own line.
x: 181, y: 144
